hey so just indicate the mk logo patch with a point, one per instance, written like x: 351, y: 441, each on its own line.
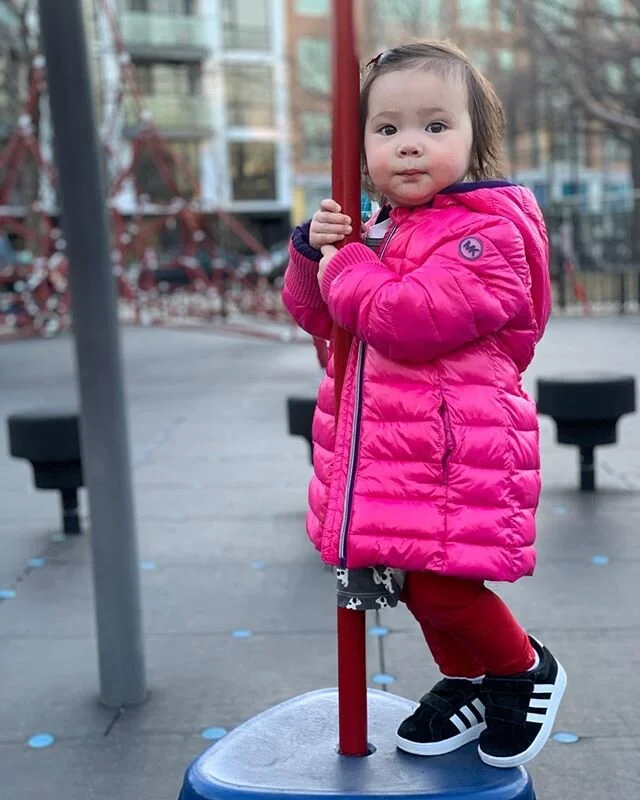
x: 470, y: 248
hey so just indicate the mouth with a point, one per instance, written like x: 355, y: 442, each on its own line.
x: 410, y: 172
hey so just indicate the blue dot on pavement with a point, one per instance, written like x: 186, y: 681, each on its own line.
x: 213, y: 733
x: 7, y: 594
x: 378, y: 631
x: 40, y: 740
x: 258, y: 564
x: 382, y: 679
x: 600, y: 560
x: 560, y: 510
x: 58, y: 537
x: 147, y: 565
x: 241, y: 634
x: 565, y: 737
x: 36, y: 562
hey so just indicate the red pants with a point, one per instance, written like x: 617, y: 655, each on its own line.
x: 468, y: 628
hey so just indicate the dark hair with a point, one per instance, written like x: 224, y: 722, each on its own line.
x: 485, y: 108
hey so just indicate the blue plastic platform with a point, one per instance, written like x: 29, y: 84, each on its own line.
x: 290, y: 751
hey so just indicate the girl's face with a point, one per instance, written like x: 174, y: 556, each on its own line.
x: 418, y: 135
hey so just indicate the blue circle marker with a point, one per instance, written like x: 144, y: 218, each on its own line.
x: 197, y: 485
x: 36, y: 562
x: 565, y: 737
x: 58, y: 537
x: 378, y: 630
x: 600, y: 560
x: 383, y: 679
x: 40, y: 740
x: 241, y: 633
x: 213, y: 733
x: 7, y: 594
x: 147, y: 566
x: 258, y: 564
x: 560, y: 510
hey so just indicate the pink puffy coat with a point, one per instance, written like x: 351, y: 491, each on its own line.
x: 435, y: 461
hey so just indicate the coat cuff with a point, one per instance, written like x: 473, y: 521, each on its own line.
x: 300, y: 241
x: 347, y: 256
x: 301, y: 279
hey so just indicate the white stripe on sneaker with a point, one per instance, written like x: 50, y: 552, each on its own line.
x: 460, y: 725
x: 539, y: 718
x: 539, y: 702
x: 477, y: 703
x: 468, y: 713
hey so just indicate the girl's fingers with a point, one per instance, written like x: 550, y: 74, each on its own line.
x: 330, y: 205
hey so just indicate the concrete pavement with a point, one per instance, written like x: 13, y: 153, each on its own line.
x: 239, y: 613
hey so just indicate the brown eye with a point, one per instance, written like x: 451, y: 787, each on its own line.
x: 387, y: 130
x: 436, y: 127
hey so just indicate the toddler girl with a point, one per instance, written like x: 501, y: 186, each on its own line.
x: 431, y: 474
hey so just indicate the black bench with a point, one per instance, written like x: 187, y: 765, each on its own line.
x: 586, y: 409
x: 51, y: 442
x: 300, y: 412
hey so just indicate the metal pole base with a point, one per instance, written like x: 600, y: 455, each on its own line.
x: 70, y: 517
x: 587, y: 470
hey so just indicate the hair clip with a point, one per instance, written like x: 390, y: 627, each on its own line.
x: 376, y: 59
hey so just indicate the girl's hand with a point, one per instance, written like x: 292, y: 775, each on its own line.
x: 328, y: 225
x: 328, y: 252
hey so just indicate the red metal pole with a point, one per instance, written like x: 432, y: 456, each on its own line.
x: 345, y: 180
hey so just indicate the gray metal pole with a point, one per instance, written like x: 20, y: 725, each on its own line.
x: 105, y: 443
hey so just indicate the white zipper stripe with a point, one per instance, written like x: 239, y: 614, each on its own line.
x: 539, y: 718
x: 346, y: 511
x: 352, y: 454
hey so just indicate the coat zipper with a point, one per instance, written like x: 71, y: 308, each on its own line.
x: 449, y: 443
x: 355, y: 436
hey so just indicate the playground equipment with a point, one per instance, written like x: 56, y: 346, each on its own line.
x: 50, y: 441
x: 290, y: 750
x: 196, y: 282
x: 586, y: 409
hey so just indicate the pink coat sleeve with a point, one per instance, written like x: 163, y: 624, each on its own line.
x: 301, y: 295
x: 457, y: 295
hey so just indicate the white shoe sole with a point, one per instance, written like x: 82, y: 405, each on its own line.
x: 543, y: 734
x: 442, y: 747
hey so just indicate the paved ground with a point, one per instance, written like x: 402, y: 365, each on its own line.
x: 220, y: 492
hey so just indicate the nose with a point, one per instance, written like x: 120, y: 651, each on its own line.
x: 410, y: 149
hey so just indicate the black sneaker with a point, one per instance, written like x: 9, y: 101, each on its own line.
x: 448, y: 717
x: 521, y: 710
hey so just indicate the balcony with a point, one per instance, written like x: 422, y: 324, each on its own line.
x: 171, y: 36
x: 178, y: 116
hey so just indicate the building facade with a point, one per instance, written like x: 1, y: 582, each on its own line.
x: 548, y: 145
x: 211, y: 73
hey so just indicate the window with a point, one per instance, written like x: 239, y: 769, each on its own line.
x: 479, y: 58
x: 245, y: 24
x: 149, y: 176
x: 182, y: 7
x: 505, y: 19
x: 506, y: 60
x: 313, y: 64
x: 613, y: 7
x: 415, y: 14
x: 253, y: 170
x: 169, y: 79
x: 312, y: 8
x: 249, y: 95
x: 312, y: 198
x: 315, y: 129
x: 473, y: 13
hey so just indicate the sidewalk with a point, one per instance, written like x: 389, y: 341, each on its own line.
x: 239, y: 612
